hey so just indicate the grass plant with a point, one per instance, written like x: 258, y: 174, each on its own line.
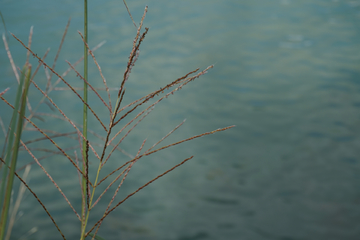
x: 117, y: 128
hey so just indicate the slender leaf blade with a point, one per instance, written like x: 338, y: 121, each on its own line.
x: 15, y: 149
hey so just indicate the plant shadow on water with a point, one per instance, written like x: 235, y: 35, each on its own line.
x: 86, y: 150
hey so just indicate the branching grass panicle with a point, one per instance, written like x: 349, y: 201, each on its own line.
x: 78, y: 156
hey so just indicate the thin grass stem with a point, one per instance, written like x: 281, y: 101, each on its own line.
x: 162, y: 139
x: 85, y: 118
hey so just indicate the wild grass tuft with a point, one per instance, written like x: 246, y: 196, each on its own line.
x: 112, y: 138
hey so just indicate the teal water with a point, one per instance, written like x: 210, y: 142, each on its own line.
x: 286, y: 74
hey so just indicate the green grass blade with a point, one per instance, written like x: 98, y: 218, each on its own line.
x: 15, y: 150
x: 11, y: 135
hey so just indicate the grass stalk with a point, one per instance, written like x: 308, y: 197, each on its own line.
x: 84, y: 182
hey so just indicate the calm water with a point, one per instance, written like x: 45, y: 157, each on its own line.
x: 286, y: 74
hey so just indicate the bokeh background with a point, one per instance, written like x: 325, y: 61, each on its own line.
x: 286, y: 74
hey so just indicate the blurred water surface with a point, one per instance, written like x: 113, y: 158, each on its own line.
x: 286, y: 74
